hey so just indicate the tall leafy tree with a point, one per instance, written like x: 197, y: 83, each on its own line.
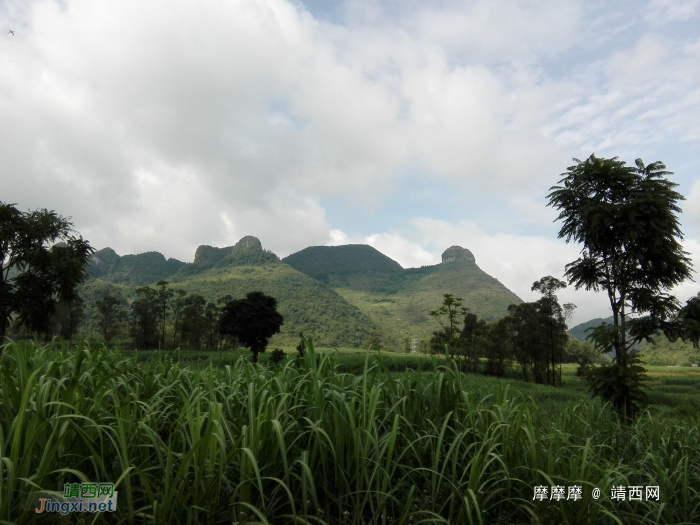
x: 556, y: 321
x: 528, y: 325
x: 474, y: 338
x: 626, y: 219
x: 145, y: 317
x: 449, y: 316
x: 193, y: 325
x: 252, y: 320
x: 108, y: 310
x: 164, y: 295
x: 42, y: 262
x: 178, y: 304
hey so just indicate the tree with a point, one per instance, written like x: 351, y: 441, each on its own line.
x: 108, y: 311
x: 145, y: 314
x: 447, y: 316
x: 42, y: 262
x: 252, y: 320
x: 528, y: 328
x: 374, y: 341
x: 473, y: 339
x: 193, y: 325
x: 163, y: 294
x: 177, y: 306
x: 498, y: 348
x: 556, y: 320
x: 626, y: 219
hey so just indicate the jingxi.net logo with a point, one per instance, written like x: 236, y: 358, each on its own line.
x: 80, y: 497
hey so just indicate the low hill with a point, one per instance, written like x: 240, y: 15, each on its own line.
x: 307, y: 305
x: 247, y: 252
x: 321, y: 261
x: 132, y: 270
x: 399, y: 301
x: 579, y: 331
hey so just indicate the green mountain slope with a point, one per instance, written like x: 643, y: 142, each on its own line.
x: 400, y: 301
x: 132, y: 270
x: 321, y: 261
x: 307, y: 305
x: 579, y: 331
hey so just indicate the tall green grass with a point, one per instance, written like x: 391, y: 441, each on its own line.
x: 309, y: 443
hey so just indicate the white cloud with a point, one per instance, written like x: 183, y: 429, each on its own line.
x: 517, y: 261
x: 665, y: 11
x: 168, y: 124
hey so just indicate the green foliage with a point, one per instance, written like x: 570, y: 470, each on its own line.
x: 277, y: 356
x: 307, y: 305
x: 621, y: 385
x: 374, y: 341
x: 132, y: 270
x: 312, y: 444
x: 449, y: 316
x: 626, y: 218
x: 42, y: 263
x: 664, y: 352
x: 252, y: 321
x: 145, y: 317
x: 321, y: 261
x: 108, y: 308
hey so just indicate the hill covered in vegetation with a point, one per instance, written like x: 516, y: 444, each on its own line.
x: 400, y: 300
x: 320, y: 262
x: 307, y: 305
x: 132, y: 270
x: 337, y: 294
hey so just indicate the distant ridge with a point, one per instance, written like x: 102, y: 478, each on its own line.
x: 321, y: 261
x: 336, y: 294
x: 246, y: 252
x: 307, y: 305
x: 132, y: 270
x: 399, y: 300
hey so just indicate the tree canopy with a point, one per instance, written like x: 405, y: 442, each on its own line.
x: 42, y: 262
x: 253, y: 320
x: 626, y: 218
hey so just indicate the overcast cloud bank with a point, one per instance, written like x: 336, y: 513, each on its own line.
x: 411, y: 126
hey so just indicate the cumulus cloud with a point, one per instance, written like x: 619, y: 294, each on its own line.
x: 168, y: 124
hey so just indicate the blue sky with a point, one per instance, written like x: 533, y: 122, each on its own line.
x: 408, y: 125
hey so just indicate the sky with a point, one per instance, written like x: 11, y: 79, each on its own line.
x: 408, y: 125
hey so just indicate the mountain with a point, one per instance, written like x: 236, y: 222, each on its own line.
x: 400, y: 300
x: 579, y: 331
x: 307, y: 305
x: 337, y: 294
x: 132, y: 270
x: 321, y: 261
x: 247, y: 252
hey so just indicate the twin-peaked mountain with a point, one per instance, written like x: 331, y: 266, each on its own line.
x: 337, y: 294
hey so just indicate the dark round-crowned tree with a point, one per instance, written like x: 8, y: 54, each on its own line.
x: 252, y: 320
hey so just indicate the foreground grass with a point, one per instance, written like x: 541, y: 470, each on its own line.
x: 310, y: 443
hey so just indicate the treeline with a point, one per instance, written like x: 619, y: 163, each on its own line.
x: 162, y: 317
x: 533, y: 335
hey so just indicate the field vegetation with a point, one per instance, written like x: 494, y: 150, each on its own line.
x: 306, y: 442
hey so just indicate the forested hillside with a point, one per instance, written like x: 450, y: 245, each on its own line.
x: 399, y: 300
x: 320, y: 262
x: 307, y: 305
x: 132, y: 270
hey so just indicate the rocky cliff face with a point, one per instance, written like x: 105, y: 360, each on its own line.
x: 457, y: 253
